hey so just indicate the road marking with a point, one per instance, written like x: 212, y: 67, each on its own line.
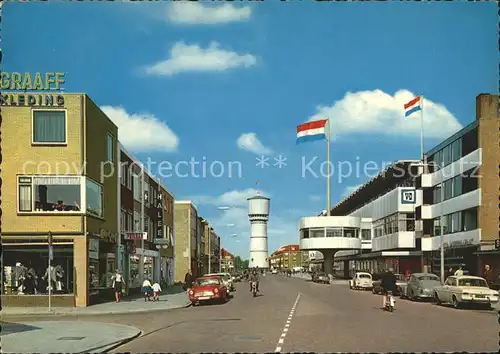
x: 281, y: 340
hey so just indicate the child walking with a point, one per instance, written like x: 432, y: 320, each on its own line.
x: 156, y: 292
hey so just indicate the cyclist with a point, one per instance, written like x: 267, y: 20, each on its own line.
x: 388, y: 284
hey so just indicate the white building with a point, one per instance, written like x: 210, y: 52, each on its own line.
x: 258, y: 214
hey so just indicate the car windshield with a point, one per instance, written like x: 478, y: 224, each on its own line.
x: 472, y: 282
x: 364, y: 276
x: 428, y: 277
x: 207, y: 281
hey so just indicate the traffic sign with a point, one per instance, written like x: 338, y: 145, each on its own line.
x: 51, y: 253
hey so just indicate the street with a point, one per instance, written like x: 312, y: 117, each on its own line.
x: 323, y: 318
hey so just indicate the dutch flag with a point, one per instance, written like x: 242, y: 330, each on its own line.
x: 413, y: 106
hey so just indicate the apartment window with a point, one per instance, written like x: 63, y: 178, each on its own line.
x: 436, y: 227
x: 146, y: 192
x: 469, y: 219
x: 447, y: 155
x: 123, y: 220
x: 456, y: 150
x: 49, y: 127
x: 130, y: 221
x: 438, y: 159
x: 316, y: 233
x: 137, y: 221
x: 129, y: 177
x: 95, y: 198
x: 25, y: 194
x: 110, y: 148
x: 146, y: 224
x: 456, y: 224
x: 457, y: 186
x: 448, y: 189
x: 49, y: 193
x: 366, y: 234
x: 123, y: 175
x: 436, y: 194
x: 137, y: 187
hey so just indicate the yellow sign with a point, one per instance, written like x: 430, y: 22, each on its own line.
x: 28, y: 82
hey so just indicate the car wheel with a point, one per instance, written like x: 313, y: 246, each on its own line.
x: 438, y: 300
x: 456, y: 304
x: 373, y: 291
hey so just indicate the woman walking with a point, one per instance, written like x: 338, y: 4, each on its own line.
x: 117, y: 284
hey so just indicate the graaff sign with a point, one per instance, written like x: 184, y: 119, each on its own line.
x: 22, y: 100
x: 17, y: 81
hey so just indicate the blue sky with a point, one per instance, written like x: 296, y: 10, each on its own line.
x: 229, y: 83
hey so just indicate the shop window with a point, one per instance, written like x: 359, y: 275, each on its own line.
x: 25, y: 270
x: 314, y: 233
x: 49, y: 194
x: 49, y: 127
x: 110, y: 148
x: 95, y: 198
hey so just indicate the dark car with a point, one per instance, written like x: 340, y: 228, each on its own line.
x: 321, y: 278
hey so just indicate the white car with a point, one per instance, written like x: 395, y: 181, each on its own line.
x: 274, y: 271
x: 361, y: 281
x: 465, y: 289
x: 227, y: 279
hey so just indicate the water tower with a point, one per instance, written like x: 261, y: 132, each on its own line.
x: 258, y: 214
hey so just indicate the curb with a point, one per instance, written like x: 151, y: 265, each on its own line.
x: 76, y: 314
x: 106, y: 349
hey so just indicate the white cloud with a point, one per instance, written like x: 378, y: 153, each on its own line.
x: 379, y: 112
x: 193, y: 58
x: 228, y: 199
x: 250, y: 142
x: 196, y: 13
x: 142, y: 132
x: 349, y: 190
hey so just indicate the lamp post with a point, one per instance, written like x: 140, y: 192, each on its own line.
x: 441, y: 226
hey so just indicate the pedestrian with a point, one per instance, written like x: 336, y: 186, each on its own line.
x: 488, y: 275
x: 188, y: 281
x: 146, y: 290
x: 117, y: 284
x: 156, y: 292
x: 460, y: 271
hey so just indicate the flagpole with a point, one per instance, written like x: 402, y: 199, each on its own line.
x: 328, y: 191
x: 422, y: 128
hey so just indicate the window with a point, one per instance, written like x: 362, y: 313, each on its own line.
x: 137, y: 221
x: 457, y: 186
x: 49, y: 127
x: 129, y: 178
x: 94, y: 198
x: 313, y: 233
x: 456, y: 150
x: 436, y: 227
x: 446, y: 224
x: 456, y: 225
x: 137, y: 187
x: 366, y: 234
x: 436, y: 194
x: 123, y: 220
x: 469, y: 219
x: 25, y: 194
x: 130, y: 221
x: 447, y: 155
x: 146, y: 224
x: 333, y: 233
x: 448, y: 189
x: 110, y: 148
x: 123, y: 174
x: 49, y: 193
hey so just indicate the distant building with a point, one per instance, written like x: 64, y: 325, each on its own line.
x: 288, y: 257
x: 187, y: 237
x: 227, y: 261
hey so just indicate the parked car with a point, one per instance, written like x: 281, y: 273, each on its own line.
x: 227, y: 279
x: 400, y: 284
x: 208, y: 288
x: 274, y: 271
x: 465, y: 289
x: 421, y: 286
x: 361, y: 281
x: 321, y: 278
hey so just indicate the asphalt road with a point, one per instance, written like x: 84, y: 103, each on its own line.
x: 324, y: 318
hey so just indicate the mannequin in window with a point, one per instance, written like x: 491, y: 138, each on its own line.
x: 56, y: 275
x: 59, y: 206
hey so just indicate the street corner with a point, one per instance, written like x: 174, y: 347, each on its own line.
x: 64, y: 336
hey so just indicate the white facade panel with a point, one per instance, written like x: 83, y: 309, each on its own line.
x: 258, y: 213
x: 318, y: 243
x: 462, y: 202
x: 458, y: 239
x: 258, y: 229
x: 329, y: 221
x: 258, y: 206
x: 402, y: 239
x: 469, y: 161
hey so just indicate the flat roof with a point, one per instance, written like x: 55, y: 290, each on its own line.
x: 385, y: 181
x: 452, y: 138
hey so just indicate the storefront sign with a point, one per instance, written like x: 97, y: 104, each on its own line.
x: 161, y: 241
x: 93, y: 248
x: 408, y: 196
x: 136, y: 236
x: 159, y: 211
x: 22, y: 100
x: 459, y: 243
x: 28, y: 82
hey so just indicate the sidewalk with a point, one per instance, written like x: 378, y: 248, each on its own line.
x: 64, y: 337
x: 134, y: 304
